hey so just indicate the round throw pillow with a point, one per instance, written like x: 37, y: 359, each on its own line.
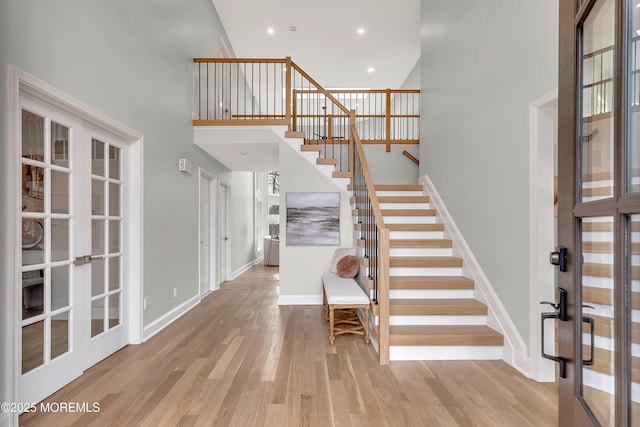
x: 348, y: 266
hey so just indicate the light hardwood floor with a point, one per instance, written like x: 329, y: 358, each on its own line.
x: 238, y: 359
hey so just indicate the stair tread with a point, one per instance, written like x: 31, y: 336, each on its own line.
x: 408, y: 212
x: 398, y: 187
x: 326, y: 161
x: 415, y: 227
x: 403, y: 199
x: 437, y: 307
x: 342, y: 174
x: 426, y: 261
x: 444, y: 335
x: 437, y: 302
x: 420, y: 243
x: 430, y: 282
x: 308, y: 147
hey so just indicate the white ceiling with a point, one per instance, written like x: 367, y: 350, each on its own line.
x: 326, y: 45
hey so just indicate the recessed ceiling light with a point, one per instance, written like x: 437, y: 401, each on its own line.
x: 270, y: 30
x: 360, y: 31
x: 370, y: 70
x: 293, y: 28
x: 244, y: 153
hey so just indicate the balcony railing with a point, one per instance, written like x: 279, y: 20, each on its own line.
x: 234, y: 91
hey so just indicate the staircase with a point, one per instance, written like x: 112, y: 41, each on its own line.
x: 314, y: 154
x: 433, y: 315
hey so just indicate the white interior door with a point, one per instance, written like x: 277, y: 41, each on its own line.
x: 105, y: 323
x: 49, y: 290
x: 223, y: 235
x: 71, y: 292
x: 205, y: 234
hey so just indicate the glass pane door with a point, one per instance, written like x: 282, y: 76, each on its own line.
x: 104, y: 321
x: 599, y: 211
x: 49, y: 289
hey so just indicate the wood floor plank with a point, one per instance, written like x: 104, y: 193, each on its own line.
x: 239, y: 359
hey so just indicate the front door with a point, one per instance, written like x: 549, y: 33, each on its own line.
x: 71, y: 284
x: 599, y: 211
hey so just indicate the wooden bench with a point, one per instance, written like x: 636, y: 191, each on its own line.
x: 342, y: 299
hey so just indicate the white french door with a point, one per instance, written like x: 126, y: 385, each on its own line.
x: 71, y: 211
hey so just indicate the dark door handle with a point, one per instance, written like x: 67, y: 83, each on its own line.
x: 560, y: 314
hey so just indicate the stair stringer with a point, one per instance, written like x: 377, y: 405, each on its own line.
x: 515, y: 350
x: 325, y: 170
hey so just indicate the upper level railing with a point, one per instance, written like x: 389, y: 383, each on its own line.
x: 277, y: 91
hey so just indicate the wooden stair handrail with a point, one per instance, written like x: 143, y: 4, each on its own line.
x: 411, y: 157
x: 320, y: 88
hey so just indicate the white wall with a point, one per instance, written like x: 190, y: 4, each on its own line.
x: 301, y: 267
x: 242, y: 221
x: 133, y: 62
x: 482, y: 64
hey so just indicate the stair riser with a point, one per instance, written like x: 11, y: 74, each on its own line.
x: 430, y: 293
x: 416, y: 234
x: 425, y: 271
x: 445, y: 352
x: 437, y: 320
x: 399, y: 193
x: 409, y: 219
x: 405, y: 206
x: 409, y: 252
x: 325, y: 169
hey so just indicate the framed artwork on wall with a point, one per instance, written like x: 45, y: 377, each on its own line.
x: 313, y: 219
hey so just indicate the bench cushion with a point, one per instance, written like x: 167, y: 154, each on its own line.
x: 343, y: 291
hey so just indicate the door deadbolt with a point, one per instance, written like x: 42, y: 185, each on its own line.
x: 559, y: 258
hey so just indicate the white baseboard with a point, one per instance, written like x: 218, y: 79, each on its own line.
x: 436, y: 352
x: 170, y: 317
x: 300, y: 300
x: 515, y: 350
x: 239, y: 271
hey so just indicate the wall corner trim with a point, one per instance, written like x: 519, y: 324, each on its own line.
x: 168, y: 318
x: 515, y: 350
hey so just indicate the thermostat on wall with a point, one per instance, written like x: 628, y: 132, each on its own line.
x: 184, y: 165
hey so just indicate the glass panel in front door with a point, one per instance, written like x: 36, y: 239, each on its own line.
x: 596, y: 143
x: 597, y: 302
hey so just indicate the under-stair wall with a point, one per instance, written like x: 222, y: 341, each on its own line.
x: 301, y: 267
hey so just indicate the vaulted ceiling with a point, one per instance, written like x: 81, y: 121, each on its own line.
x: 326, y: 42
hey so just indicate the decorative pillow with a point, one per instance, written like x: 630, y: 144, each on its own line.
x: 338, y: 255
x: 348, y: 267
